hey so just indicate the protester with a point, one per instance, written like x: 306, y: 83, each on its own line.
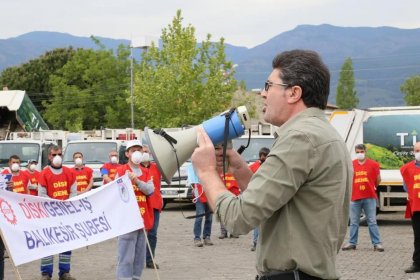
x: 58, y: 182
x: 109, y: 169
x: 82, y: 173
x: 33, y: 175
x: 19, y: 182
x: 132, y: 246
x: 262, y: 155
x: 366, y: 179
x: 300, y: 196
x: 201, y: 209
x: 411, y: 177
x: 156, y: 202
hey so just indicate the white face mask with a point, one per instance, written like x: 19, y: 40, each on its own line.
x: 57, y: 161
x: 32, y: 167
x: 136, y: 157
x: 114, y: 159
x: 145, y: 158
x: 78, y: 161
x: 417, y: 156
x: 360, y: 156
x: 15, y: 167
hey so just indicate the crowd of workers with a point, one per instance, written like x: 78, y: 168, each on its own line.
x: 60, y: 182
x: 298, y: 196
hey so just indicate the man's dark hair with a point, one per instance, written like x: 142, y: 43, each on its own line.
x: 77, y: 153
x: 53, y: 147
x: 264, y: 151
x: 14, y: 157
x: 360, y: 147
x: 305, y: 69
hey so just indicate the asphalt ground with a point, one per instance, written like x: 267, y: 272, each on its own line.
x: 231, y: 258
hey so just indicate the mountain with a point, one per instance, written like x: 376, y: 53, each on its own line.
x: 383, y: 57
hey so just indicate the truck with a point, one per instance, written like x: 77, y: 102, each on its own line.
x: 95, y: 146
x: 389, y: 134
x: 262, y: 135
x: 95, y: 154
x: 30, y: 146
x: 26, y: 149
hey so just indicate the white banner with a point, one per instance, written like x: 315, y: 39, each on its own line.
x: 35, y: 227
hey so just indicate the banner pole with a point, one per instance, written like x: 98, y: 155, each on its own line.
x: 10, y: 256
x: 151, y: 254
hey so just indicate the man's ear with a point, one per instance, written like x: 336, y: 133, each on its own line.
x: 295, y: 94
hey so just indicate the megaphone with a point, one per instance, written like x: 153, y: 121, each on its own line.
x: 171, y: 149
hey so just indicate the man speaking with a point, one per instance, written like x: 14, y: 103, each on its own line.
x: 300, y: 196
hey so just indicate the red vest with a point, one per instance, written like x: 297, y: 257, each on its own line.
x: 254, y: 167
x: 83, y: 176
x: 58, y: 186
x: 156, y: 198
x: 231, y: 184
x: 364, y: 179
x: 112, y: 169
x: 20, y: 181
x: 146, y: 209
x: 411, y: 177
x: 33, y: 178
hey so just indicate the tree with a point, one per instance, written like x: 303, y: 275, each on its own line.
x: 411, y: 89
x: 90, y: 91
x: 346, y: 94
x: 183, y: 82
x: 33, y: 76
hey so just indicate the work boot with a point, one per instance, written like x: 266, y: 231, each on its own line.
x: 45, y: 277
x: 198, y: 243
x: 223, y: 232
x: 207, y: 241
x: 254, y: 247
x: 66, y: 276
x: 349, y: 247
x: 412, y: 269
x: 378, y: 247
x: 149, y: 264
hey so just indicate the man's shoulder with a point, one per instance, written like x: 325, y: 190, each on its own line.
x: 373, y: 163
x: 407, y: 165
x: 317, y: 130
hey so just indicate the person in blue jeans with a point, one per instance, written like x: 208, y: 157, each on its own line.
x: 366, y: 178
x: 201, y: 209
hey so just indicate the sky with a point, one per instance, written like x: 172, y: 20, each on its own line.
x: 245, y: 23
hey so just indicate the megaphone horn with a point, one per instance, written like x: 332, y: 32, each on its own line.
x: 171, y: 149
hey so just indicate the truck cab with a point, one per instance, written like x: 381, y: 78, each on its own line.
x: 95, y: 154
x: 26, y: 150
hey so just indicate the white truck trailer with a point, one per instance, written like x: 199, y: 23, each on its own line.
x: 389, y: 134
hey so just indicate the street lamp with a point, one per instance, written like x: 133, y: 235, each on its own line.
x: 143, y: 42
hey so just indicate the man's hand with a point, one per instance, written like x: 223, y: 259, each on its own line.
x: 9, y: 185
x: 132, y: 176
x: 204, y: 157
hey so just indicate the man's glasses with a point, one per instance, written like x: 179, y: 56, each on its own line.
x: 268, y: 84
x: 57, y: 155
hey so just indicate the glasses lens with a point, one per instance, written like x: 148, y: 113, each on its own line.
x: 56, y: 155
x: 266, y: 86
